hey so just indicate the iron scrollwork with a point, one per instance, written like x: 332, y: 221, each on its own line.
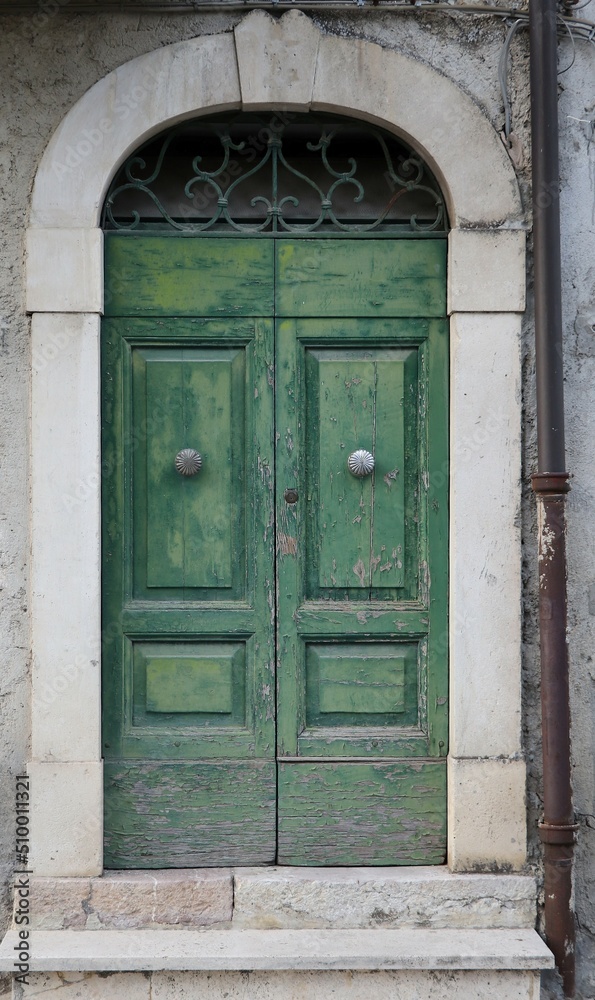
x: 275, y: 208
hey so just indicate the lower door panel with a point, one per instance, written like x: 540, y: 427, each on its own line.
x: 336, y: 813
x: 189, y: 814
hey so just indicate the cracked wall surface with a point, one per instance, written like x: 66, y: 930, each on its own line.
x: 50, y: 59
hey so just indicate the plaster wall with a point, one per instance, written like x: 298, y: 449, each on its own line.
x: 577, y: 206
x: 50, y: 60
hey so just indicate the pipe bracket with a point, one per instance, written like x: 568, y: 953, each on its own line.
x: 558, y: 833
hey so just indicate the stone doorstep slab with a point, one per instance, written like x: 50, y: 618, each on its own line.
x: 132, y: 900
x: 247, y: 950
x: 283, y: 898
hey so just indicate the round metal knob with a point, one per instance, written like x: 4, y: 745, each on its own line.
x: 360, y: 463
x: 188, y: 462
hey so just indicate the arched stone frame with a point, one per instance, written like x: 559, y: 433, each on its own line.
x: 277, y: 64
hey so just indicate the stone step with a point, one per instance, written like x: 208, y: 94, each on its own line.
x: 283, y: 897
x: 380, y: 897
x: 378, y: 949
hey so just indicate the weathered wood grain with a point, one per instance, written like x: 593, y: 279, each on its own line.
x: 361, y: 278
x: 199, y: 813
x: 362, y: 814
x: 156, y: 276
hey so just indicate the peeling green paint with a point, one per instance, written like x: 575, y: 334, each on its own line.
x: 191, y: 345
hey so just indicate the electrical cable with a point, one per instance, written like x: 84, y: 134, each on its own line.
x: 574, y: 30
x: 571, y: 63
x: 503, y: 73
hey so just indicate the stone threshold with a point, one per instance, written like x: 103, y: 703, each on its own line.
x: 249, y: 950
x: 283, y: 898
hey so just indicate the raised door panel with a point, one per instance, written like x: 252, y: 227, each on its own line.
x: 355, y: 401
x: 189, y: 530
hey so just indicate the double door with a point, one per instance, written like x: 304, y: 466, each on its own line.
x: 274, y: 549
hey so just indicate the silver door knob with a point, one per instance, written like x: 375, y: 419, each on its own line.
x: 361, y: 462
x: 188, y: 462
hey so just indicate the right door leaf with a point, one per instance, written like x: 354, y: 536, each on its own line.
x: 362, y: 672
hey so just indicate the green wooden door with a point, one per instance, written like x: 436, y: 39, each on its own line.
x: 274, y: 669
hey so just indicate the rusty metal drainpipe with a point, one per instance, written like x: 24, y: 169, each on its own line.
x: 557, y: 830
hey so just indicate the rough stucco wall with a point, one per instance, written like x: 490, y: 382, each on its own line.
x: 49, y: 60
x: 578, y: 210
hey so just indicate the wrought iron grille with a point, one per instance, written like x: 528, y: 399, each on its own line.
x: 284, y: 174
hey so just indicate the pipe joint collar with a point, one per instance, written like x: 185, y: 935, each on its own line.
x: 558, y: 833
x: 549, y: 483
